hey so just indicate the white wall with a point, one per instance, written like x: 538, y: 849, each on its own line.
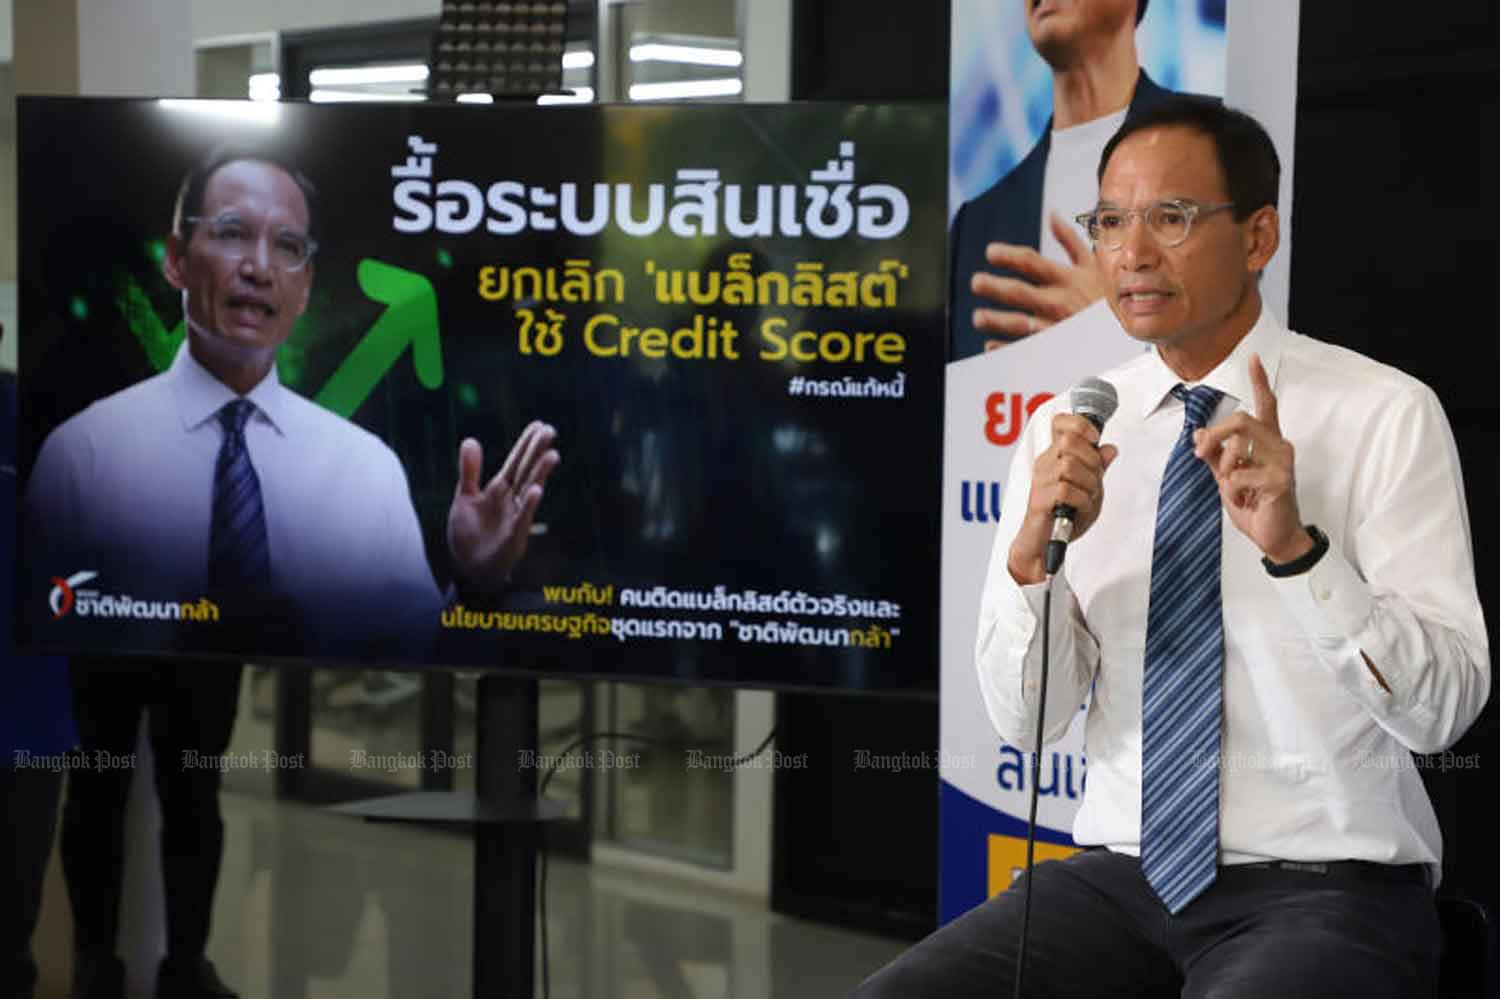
x: 217, y: 18
x: 137, y: 49
x: 766, y: 38
x: 7, y: 10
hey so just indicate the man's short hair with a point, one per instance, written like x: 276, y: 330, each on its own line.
x: 1140, y: 10
x: 1252, y: 170
x: 189, y: 202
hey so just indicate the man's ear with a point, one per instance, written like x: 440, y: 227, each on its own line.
x: 1262, y: 237
x: 173, y: 264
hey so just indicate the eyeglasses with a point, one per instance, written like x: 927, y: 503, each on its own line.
x: 1169, y: 222
x: 235, y: 238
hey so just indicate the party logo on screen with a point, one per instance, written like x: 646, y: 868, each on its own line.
x: 69, y: 596
x: 62, y: 597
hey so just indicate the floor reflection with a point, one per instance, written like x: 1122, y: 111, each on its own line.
x: 314, y: 905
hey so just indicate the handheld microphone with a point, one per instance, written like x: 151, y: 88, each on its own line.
x: 1095, y: 400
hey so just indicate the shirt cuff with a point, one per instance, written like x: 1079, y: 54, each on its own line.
x: 1024, y: 625
x: 1332, y: 604
x: 1011, y: 615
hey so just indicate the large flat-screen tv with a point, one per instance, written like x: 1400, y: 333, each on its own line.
x: 696, y: 351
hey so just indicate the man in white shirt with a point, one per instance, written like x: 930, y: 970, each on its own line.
x: 1271, y: 610
x: 213, y: 480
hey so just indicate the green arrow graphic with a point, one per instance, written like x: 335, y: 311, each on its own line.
x: 411, y: 317
x: 159, y: 343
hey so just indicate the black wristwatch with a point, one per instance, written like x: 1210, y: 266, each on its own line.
x: 1297, y: 566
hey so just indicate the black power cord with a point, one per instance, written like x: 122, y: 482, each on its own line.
x: 1036, y: 778
x: 541, y: 792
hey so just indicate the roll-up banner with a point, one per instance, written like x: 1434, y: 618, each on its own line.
x: 1000, y: 115
x: 727, y: 321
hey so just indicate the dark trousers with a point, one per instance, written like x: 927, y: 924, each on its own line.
x: 192, y: 707
x: 1097, y: 929
x: 28, y: 816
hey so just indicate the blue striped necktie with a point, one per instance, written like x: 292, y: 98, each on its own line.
x: 239, y: 556
x: 1182, y: 691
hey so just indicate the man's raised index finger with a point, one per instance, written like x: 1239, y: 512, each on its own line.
x: 1265, y: 399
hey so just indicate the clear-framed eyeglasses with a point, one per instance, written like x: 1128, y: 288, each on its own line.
x: 1169, y: 222
x: 232, y: 236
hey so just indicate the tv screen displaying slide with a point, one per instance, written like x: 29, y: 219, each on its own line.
x: 612, y: 391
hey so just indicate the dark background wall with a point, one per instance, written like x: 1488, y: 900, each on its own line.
x: 856, y: 847
x: 859, y: 847
x: 1394, y: 254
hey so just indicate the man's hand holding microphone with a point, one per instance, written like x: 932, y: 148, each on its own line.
x: 1067, y: 484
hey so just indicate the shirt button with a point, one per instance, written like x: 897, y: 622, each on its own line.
x: 1323, y: 593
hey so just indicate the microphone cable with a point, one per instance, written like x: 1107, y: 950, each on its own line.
x: 1036, y: 780
x: 1096, y: 401
x: 541, y: 792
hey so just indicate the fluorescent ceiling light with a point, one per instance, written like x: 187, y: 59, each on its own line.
x: 577, y: 60
x: 265, y: 87
x: 359, y: 75
x: 476, y: 99
x: 696, y: 55
x: 352, y: 96
x: 258, y: 112
x: 686, y: 88
x: 580, y: 95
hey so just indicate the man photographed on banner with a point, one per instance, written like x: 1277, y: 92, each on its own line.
x: 1269, y: 602
x: 1017, y: 263
x: 212, y: 478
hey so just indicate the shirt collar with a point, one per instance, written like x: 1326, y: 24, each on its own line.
x: 199, y: 395
x: 1231, y: 376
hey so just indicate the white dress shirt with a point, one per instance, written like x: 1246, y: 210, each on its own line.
x: 1316, y: 755
x: 125, y: 488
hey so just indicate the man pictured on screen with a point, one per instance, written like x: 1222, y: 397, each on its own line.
x: 1018, y: 265
x: 1269, y: 604
x: 212, y: 478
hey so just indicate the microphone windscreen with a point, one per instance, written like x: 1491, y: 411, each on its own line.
x: 1095, y: 400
